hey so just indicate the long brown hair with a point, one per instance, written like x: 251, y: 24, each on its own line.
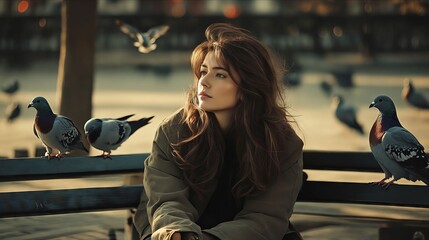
x: 260, y: 122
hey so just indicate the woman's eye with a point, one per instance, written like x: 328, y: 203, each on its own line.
x: 202, y: 73
x: 220, y: 75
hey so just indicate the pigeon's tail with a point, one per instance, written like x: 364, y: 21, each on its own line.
x: 421, y: 102
x: 423, y: 174
x: 358, y: 127
x: 135, y: 125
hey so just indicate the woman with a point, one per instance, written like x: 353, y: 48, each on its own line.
x: 228, y: 165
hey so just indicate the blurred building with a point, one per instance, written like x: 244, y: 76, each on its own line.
x: 315, y: 26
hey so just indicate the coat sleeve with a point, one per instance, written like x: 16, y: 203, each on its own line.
x: 168, y: 207
x: 266, y: 215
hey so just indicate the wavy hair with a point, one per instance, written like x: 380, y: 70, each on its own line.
x: 260, y: 120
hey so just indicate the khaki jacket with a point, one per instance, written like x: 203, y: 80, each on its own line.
x: 170, y: 205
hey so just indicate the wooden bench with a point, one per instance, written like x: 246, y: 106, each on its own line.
x: 60, y: 201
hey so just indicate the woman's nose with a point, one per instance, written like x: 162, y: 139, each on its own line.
x: 204, y: 81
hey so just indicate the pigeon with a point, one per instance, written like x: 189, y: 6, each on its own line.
x: 293, y: 76
x: 107, y: 134
x: 12, y: 88
x: 343, y: 77
x: 13, y: 111
x: 396, y: 150
x: 414, y: 97
x: 326, y: 87
x: 144, y: 41
x: 346, y: 114
x: 292, y: 79
x: 56, y: 132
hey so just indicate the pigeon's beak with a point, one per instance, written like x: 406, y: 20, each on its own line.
x: 30, y: 105
x: 372, y: 105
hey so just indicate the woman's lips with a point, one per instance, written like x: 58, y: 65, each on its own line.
x: 204, y: 95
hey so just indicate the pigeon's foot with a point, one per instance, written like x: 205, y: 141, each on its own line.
x: 48, y: 156
x: 105, y: 155
x: 387, y: 184
x: 59, y: 156
x: 381, y: 182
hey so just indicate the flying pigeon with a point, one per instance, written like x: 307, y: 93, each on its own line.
x: 414, y: 97
x: 396, y: 150
x: 13, y: 111
x: 55, y: 131
x: 346, y: 113
x: 107, y: 134
x: 144, y: 41
x: 11, y: 88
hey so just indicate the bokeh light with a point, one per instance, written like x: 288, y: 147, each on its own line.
x: 23, y: 6
x: 231, y: 11
x: 42, y: 22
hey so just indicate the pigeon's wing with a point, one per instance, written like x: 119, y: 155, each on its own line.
x: 66, y: 132
x: 114, y: 133
x: 124, y: 130
x: 157, y: 31
x: 401, y: 137
x: 403, y: 147
x: 128, y: 29
x: 346, y: 114
x: 124, y: 117
x: 119, y: 119
x: 34, y: 130
x: 419, y: 100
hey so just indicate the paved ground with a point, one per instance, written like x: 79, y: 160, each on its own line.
x: 324, y: 225
x: 68, y: 226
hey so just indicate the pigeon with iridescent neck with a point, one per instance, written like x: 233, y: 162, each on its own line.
x: 56, y: 132
x: 397, y: 151
x: 107, y: 134
x: 414, y: 97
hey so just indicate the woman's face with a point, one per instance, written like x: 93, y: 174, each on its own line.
x: 217, y: 91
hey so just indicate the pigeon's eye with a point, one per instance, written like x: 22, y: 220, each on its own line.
x: 380, y: 100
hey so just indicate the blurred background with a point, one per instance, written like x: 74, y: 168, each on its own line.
x: 75, y: 55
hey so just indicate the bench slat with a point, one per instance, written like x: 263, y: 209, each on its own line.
x: 19, y: 169
x: 46, y: 202
x: 365, y: 193
x: 340, y: 161
x: 16, y: 204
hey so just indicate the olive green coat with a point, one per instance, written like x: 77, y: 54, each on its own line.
x: 168, y: 205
